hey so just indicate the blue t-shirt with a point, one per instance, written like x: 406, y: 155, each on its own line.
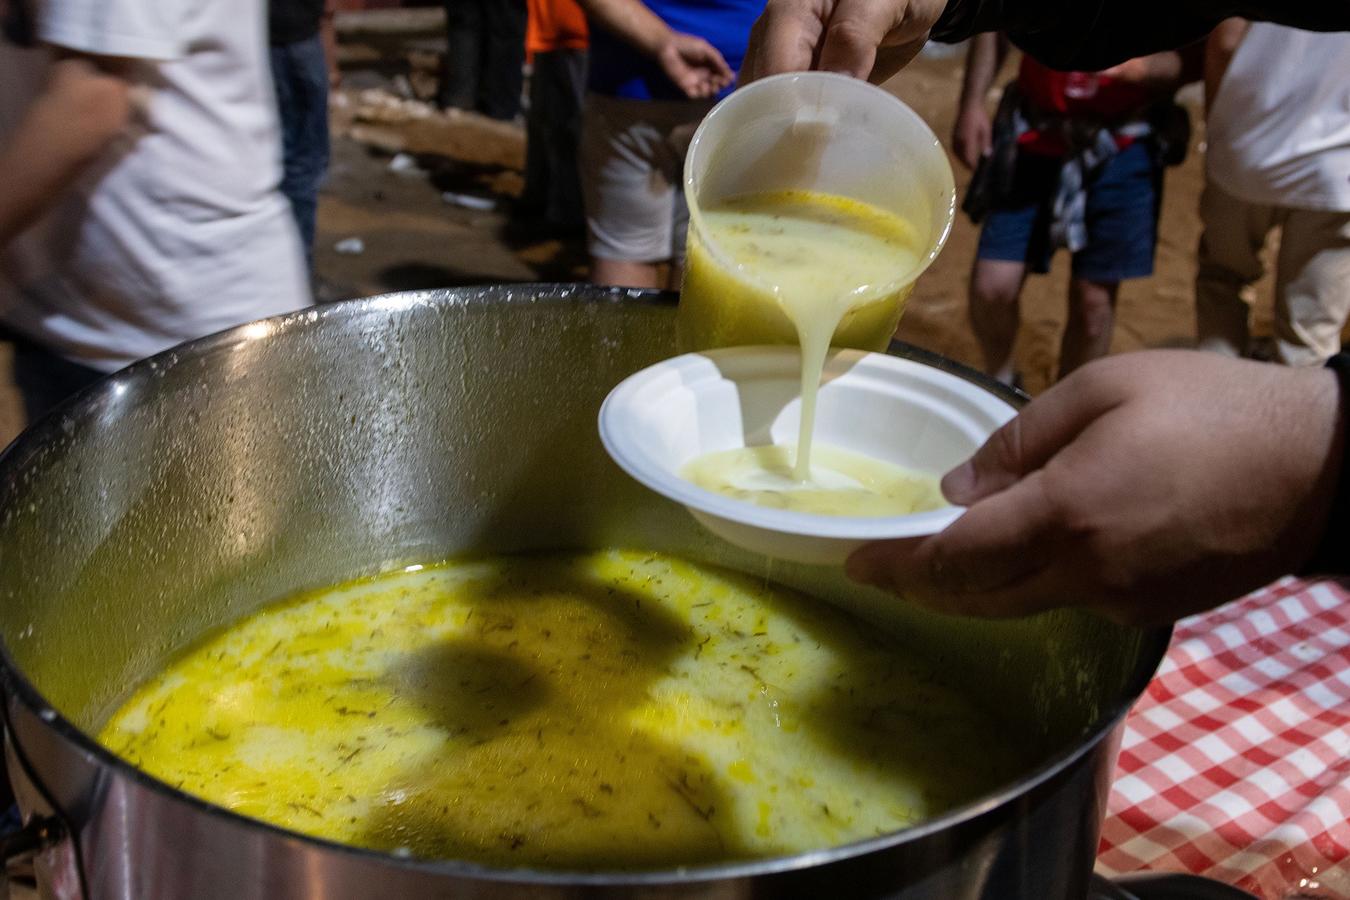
x: 617, y: 69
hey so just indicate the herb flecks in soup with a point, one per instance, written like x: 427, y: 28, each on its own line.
x: 599, y: 711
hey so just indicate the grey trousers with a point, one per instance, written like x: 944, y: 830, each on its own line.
x: 1312, y: 277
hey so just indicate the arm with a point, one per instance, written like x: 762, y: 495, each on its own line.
x: 83, y: 107
x: 1094, y: 34
x: 1158, y: 73
x: 1219, y: 49
x: 1147, y: 486
x: 972, y: 133
x: 690, y: 62
x: 859, y: 37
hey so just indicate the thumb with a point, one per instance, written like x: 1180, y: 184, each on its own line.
x: 855, y: 31
x: 1026, y: 443
x: 860, y: 29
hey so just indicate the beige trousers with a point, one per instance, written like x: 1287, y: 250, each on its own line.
x: 1312, y: 277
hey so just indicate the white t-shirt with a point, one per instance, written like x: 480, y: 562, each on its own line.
x: 1279, y: 129
x: 178, y: 230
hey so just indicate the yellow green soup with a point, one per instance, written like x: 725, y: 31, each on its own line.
x: 594, y: 711
x: 841, y: 483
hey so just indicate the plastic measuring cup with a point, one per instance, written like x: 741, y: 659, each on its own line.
x: 820, y: 132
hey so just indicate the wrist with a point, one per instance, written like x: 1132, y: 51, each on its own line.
x: 1330, y: 553
x: 656, y: 39
x: 971, y: 106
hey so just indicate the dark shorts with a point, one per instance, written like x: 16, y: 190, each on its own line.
x: 1122, y: 217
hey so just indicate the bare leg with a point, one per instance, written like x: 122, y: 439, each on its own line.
x: 625, y: 274
x: 1092, y: 315
x: 995, y: 285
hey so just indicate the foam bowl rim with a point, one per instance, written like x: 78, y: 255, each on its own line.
x: 692, y: 369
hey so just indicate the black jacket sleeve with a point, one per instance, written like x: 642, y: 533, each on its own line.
x: 1094, y: 34
x: 1332, y: 555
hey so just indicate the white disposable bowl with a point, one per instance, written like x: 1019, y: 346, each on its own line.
x: 893, y: 409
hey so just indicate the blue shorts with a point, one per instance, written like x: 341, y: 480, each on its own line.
x: 1122, y: 217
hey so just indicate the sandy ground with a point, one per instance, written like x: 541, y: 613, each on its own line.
x: 414, y: 233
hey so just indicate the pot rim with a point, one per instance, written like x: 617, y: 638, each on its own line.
x: 20, y: 689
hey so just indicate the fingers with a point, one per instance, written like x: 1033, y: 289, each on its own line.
x: 917, y: 571
x: 856, y: 29
x: 862, y: 38
x: 718, y: 64
x: 971, y: 144
x: 695, y: 66
x: 1044, y: 427
x: 690, y: 80
x: 697, y: 86
x: 1049, y: 588
x: 889, y: 564
x: 706, y: 60
x: 998, y: 542
x: 892, y: 59
x: 784, y: 38
x: 986, y: 139
x: 1132, y: 70
x: 873, y: 38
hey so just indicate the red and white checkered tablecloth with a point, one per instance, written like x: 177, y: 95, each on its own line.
x: 1235, y: 764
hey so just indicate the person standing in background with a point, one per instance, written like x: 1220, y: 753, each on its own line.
x: 556, y: 42
x: 485, y: 57
x: 301, y: 72
x: 655, y: 71
x: 139, y: 163
x: 1278, y: 158
x: 1072, y: 160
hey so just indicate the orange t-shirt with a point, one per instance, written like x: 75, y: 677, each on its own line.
x: 555, y: 25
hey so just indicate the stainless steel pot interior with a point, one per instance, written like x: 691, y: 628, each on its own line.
x: 184, y: 492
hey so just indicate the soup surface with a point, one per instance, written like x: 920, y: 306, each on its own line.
x: 595, y: 711
x: 841, y: 483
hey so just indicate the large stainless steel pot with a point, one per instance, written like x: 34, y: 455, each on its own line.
x: 186, y: 490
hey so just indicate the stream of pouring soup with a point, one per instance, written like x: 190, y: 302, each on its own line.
x: 833, y: 268
x: 597, y: 711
